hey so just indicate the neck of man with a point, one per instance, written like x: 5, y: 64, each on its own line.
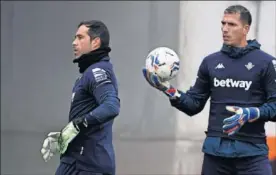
x: 243, y: 43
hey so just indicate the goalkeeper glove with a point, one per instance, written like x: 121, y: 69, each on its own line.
x: 50, y: 146
x: 164, y: 87
x: 242, y: 115
x: 70, y: 132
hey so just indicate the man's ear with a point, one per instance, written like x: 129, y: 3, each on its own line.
x: 96, y: 42
x: 246, y: 29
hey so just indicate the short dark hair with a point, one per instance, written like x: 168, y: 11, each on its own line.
x: 245, y: 15
x: 97, y: 29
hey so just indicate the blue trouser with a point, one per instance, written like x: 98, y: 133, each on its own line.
x: 255, y: 165
x: 70, y: 169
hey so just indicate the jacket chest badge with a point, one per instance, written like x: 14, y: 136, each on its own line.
x: 249, y: 66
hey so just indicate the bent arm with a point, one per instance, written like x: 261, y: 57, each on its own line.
x: 109, y: 105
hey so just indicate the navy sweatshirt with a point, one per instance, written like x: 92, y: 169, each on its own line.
x: 95, y: 96
x: 248, y: 80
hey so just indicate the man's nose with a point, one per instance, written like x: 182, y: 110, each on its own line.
x: 225, y: 28
x: 74, y: 43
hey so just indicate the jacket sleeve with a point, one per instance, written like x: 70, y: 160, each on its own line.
x: 268, y: 110
x: 193, y: 101
x: 102, y: 88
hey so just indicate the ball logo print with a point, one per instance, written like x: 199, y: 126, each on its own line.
x: 155, y: 62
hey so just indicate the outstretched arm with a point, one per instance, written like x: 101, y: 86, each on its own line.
x: 191, y: 102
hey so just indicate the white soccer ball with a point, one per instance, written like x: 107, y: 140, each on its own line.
x: 164, y: 62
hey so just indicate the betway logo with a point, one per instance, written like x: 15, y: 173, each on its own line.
x: 232, y: 83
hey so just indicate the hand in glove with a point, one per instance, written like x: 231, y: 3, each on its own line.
x: 155, y: 82
x: 70, y: 132
x: 242, y: 115
x: 50, y: 146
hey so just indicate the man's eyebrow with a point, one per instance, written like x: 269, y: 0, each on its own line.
x: 78, y: 35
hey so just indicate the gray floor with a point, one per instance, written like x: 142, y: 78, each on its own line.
x: 140, y: 156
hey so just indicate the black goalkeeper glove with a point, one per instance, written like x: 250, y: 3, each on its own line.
x: 80, y: 123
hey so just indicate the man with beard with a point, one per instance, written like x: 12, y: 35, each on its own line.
x: 85, y: 143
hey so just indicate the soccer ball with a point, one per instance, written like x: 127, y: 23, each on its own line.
x: 164, y: 62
